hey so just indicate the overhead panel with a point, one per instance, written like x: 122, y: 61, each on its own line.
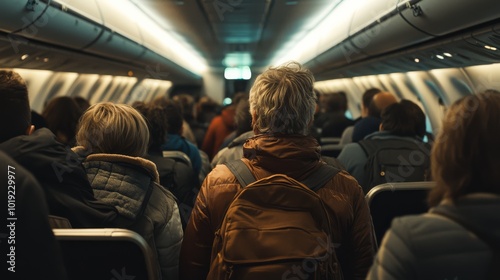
x: 53, y: 23
x: 376, y: 28
x: 443, y: 17
x: 237, y: 26
x: 121, y: 39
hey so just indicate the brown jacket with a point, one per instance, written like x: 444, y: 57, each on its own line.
x: 297, y: 157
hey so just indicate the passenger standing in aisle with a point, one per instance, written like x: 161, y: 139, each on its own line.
x: 282, y: 104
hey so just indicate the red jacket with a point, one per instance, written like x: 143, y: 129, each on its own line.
x: 220, y: 127
x: 297, y: 157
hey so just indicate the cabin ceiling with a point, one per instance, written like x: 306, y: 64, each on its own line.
x: 383, y: 36
x: 228, y: 32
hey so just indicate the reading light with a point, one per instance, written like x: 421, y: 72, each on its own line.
x: 490, y: 48
x: 440, y: 56
x: 417, y: 60
x: 24, y: 56
x: 448, y: 54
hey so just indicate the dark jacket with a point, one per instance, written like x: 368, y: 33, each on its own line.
x: 365, y: 127
x: 62, y: 177
x: 36, y: 249
x: 297, y: 157
x: 335, y: 124
x: 179, y: 179
x: 429, y: 246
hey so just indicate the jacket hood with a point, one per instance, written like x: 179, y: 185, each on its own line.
x: 238, y: 141
x: 478, y: 209
x: 120, y: 180
x: 286, y: 154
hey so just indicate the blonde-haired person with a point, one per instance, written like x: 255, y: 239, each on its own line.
x: 465, y: 161
x: 282, y: 105
x: 113, y: 139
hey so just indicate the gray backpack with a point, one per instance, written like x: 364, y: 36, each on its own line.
x: 395, y: 160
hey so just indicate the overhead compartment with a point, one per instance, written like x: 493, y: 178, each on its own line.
x: 121, y: 38
x: 377, y: 28
x: 50, y: 22
x: 381, y: 29
x: 428, y: 15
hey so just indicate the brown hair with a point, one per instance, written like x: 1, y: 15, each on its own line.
x: 62, y: 115
x: 15, y: 113
x: 465, y: 157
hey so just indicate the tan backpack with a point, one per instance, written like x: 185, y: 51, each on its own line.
x: 275, y: 228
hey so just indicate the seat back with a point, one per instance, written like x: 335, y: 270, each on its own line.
x: 331, y: 150
x: 179, y: 156
x: 329, y: 140
x: 108, y: 253
x: 391, y: 200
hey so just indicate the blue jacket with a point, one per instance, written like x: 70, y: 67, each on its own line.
x: 176, y: 142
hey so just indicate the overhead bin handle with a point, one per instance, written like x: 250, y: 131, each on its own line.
x: 30, y: 6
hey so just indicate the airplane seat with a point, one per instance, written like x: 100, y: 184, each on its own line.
x: 346, y: 137
x: 59, y: 222
x: 329, y: 140
x: 106, y: 253
x: 178, y: 156
x: 331, y: 150
x: 391, y: 200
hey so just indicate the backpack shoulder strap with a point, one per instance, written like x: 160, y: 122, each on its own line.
x: 489, y: 239
x: 319, y: 178
x: 315, y: 181
x: 368, y: 146
x: 241, y: 172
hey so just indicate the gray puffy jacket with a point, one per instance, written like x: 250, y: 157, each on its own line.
x: 122, y: 181
x: 430, y: 246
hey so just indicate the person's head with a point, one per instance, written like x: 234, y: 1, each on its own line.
x: 282, y: 100
x: 465, y: 157
x: 62, y: 115
x: 113, y: 129
x: 335, y: 102
x: 15, y: 113
x: 173, y: 113
x: 367, y: 99
x: 186, y: 102
x: 141, y: 107
x: 379, y: 102
x: 206, y: 110
x: 404, y: 118
x: 237, y: 97
x: 83, y: 103
x: 37, y: 120
x: 156, y: 117
x: 242, y: 117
